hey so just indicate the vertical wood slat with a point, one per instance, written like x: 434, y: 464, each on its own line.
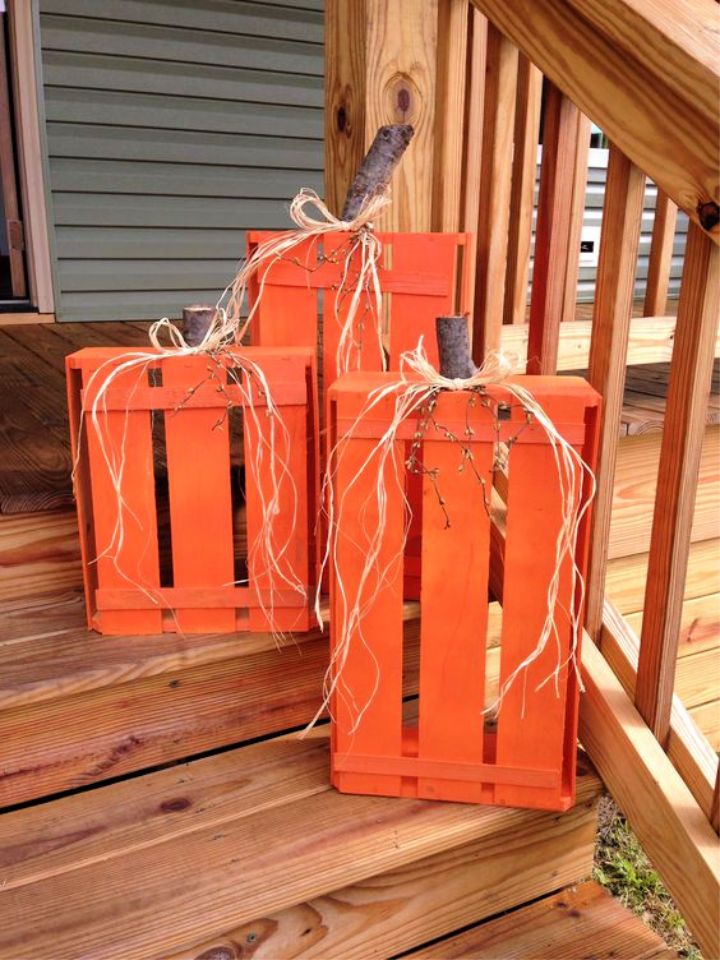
x: 531, y: 721
x: 522, y: 199
x: 413, y: 315
x: 661, y: 250
x: 198, y: 467
x: 495, y: 186
x: 380, y: 67
x: 284, y: 316
x: 345, y: 101
x: 475, y: 105
x: 683, y: 431
x: 715, y: 810
x: 452, y: 53
x: 400, y: 62
x: 375, y: 665
x: 454, y: 608
x: 291, y: 520
x: 577, y: 217
x: 137, y: 559
x: 619, y: 241
x: 552, y: 233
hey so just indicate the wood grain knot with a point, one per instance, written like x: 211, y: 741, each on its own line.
x: 708, y: 214
x: 402, y: 98
x: 341, y: 119
x: 217, y: 953
x: 175, y: 805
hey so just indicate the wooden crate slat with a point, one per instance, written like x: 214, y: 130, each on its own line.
x: 288, y: 489
x: 198, y: 457
x: 411, y: 316
x: 373, y: 669
x: 135, y: 557
x: 531, y: 722
x: 284, y: 316
x: 454, y: 612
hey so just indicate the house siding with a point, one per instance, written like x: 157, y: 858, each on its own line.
x: 171, y: 128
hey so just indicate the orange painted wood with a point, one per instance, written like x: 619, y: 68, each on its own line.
x: 130, y: 552
x: 530, y: 761
x: 126, y: 596
x: 198, y: 468
x: 373, y: 669
x: 424, y: 273
x: 290, y: 527
x: 454, y: 590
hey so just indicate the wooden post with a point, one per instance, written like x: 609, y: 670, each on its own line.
x: 380, y: 62
x: 495, y: 184
x: 624, y: 192
x: 661, y: 250
x: 522, y: 199
x: 477, y: 44
x: 683, y: 431
x: 552, y: 234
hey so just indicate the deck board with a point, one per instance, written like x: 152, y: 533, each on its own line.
x: 581, y: 922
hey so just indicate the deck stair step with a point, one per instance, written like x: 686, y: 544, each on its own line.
x: 251, y: 852
x: 580, y: 922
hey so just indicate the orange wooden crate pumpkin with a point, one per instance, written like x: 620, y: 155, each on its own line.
x: 125, y: 590
x: 425, y: 275
x: 529, y: 759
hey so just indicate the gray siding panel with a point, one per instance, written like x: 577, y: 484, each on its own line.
x: 172, y: 128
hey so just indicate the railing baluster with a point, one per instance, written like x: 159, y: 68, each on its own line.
x: 494, y: 213
x: 522, y: 200
x: 452, y: 52
x: 477, y: 44
x: 660, y: 261
x: 684, y: 428
x: 552, y: 234
x: 715, y: 811
x: 577, y: 217
x: 624, y: 193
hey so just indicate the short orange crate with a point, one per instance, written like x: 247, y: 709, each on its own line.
x: 191, y: 412
x: 528, y: 756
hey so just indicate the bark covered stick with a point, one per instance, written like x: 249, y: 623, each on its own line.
x: 377, y: 167
x: 197, y: 320
x: 453, y: 339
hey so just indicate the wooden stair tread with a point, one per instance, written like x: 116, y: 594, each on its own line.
x: 153, y: 864
x: 584, y: 921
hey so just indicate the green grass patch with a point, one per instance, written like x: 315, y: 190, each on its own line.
x: 623, y: 868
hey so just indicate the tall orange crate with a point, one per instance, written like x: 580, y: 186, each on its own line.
x: 421, y: 275
x: 424, y: 275
x: 128, y: 590
x: 527, y: 758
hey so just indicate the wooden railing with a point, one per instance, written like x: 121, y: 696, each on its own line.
x: 646, y: 72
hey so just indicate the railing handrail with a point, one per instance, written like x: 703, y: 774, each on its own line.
x: 645, y: 71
